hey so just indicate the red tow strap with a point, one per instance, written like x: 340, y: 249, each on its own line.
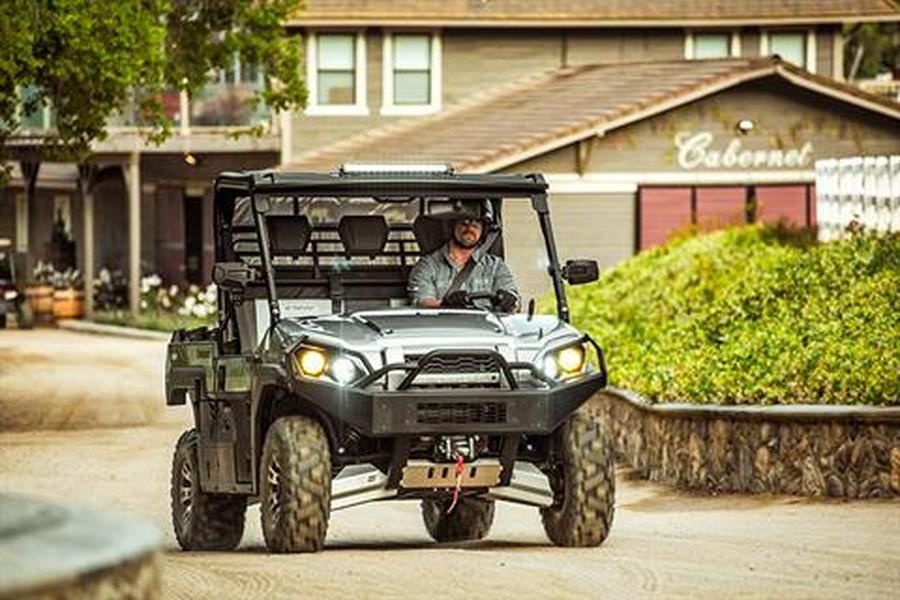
x: 459, y: 472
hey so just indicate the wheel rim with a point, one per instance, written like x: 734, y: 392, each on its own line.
x: 273, y: 479
x: 186, y: 493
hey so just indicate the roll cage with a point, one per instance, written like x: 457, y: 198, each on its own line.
x: 256, y: 191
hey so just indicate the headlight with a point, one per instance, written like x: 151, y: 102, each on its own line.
x: 571, y: 359
x: 312, y: 362
x: 326, y: 364
x: 564, y: 362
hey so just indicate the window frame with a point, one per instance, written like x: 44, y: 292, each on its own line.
x: 690, y: 45
x: 388, y: 106
x: 359, y: 107
x: 809, y: 50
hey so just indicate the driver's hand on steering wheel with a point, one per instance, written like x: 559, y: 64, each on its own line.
x: 505, y: 301
x: 457, y: 299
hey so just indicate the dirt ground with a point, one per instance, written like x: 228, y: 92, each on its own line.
x: 664, y: 543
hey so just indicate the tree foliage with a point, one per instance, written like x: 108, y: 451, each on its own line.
x: 88, y: 59
x: 872, y: 48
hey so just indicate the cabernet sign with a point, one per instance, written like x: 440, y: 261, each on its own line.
x: 703, y: 151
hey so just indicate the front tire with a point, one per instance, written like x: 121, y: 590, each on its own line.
x: 295, y: 477
x: 202, y: 521
x: 584, y: 485
x: 470, y: 519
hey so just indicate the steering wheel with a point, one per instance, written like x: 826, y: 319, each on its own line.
x: 472, y: 297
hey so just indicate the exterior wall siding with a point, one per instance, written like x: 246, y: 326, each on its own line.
x: 623, y: 45
x: 597, y: 226
x: 824, y: 51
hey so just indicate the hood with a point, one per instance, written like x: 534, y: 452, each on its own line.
x: 416, y: 331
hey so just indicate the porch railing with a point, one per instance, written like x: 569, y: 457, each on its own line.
x: 857, y: 191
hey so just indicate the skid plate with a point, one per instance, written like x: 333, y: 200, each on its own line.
x: 424, y: 474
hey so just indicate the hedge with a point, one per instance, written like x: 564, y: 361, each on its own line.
x: 748, y: 316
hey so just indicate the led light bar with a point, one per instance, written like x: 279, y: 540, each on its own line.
x: 406, y: 169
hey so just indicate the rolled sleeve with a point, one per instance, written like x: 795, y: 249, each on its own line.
x: 503, y: 280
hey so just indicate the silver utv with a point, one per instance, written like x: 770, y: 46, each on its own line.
x: 321, y: 387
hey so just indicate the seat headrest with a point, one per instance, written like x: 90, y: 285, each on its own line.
x: 431, y: 232
x: 288, y: 235
x: 363, y: 235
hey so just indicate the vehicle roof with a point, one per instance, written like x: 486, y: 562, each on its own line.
x: 382, y: 184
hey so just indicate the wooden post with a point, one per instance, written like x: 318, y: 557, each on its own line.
x: 86, y: 176
x: 132, y: 174
x: 30, y: 168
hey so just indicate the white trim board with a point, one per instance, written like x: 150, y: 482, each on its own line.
x: 629, y: 182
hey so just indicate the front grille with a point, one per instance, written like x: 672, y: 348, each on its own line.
x: 459, y: 363
x: 460, y: 413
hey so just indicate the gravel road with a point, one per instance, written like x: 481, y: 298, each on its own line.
x: 92, y: 432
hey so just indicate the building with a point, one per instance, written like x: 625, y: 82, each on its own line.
x: 643, y: 113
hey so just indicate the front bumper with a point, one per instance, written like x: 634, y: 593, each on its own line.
x: 448, y: 411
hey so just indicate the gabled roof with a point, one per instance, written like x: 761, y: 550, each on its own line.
x: 590, y: 13
x: 560, y: 107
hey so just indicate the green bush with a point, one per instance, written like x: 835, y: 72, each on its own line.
x: 752, y: 316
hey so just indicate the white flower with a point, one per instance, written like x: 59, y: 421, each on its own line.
x: 189, y: 302
x: 173, y: 290
x: 184, y: 311
x: 105, y: 277
x: 200, y: 311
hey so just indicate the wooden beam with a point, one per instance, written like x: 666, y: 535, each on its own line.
x: 30, y: 168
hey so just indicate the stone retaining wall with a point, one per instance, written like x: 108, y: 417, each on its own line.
x: 851, y: 452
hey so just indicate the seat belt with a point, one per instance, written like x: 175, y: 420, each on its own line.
x: 462, y: 276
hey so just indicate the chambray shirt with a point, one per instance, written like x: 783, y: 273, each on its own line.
x: 431, y: 277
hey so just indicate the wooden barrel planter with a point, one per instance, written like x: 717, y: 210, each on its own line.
x: 41, y: 299
x: 68, y: 304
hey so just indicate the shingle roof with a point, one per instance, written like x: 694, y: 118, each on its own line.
x: 560, y: 107
x: 596, y: 12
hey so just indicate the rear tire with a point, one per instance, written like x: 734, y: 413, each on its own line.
x: 295, y: 481
x: 202, y: 521
x: 584, y: 485
x: 470, y: 519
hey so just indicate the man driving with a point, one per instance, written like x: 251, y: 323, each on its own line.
x: 463, y: 267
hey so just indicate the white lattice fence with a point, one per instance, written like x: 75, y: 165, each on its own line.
x: 864, y: 190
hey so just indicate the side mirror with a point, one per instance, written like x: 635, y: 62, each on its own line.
x: 581, y: 271
x: 233, y: 276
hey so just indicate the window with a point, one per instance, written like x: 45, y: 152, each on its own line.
x: 411, y: 73
x: 34, y: 115
x: 797, y: 47
x: 336, y: 74
x: 712, y: 44
x: 789, y: 46
x: 336, y: 70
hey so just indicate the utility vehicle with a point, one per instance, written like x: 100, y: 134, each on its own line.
x: 322, y: 387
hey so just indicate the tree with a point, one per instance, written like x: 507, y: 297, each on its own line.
x: 88, y: 59
x: 871, y: 49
